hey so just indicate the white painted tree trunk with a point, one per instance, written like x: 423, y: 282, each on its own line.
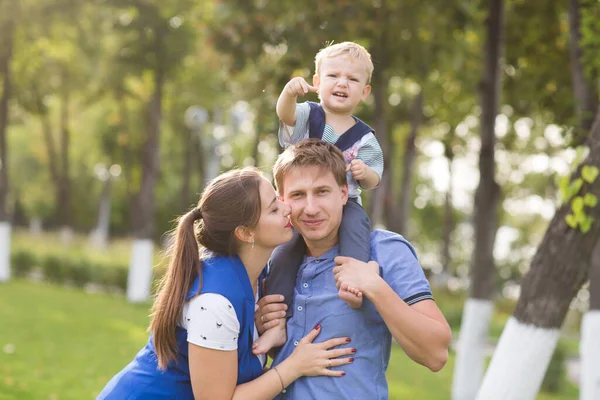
x: 140, y: 271
x: 589, y: 350
x: 519, y: 363
x: 66, y: 235
x: 35, y: 227
x: 470, y: 351
x: 5, y: 230
x: 99, y: 236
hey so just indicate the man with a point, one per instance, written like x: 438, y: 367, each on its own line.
x: 311, y: 178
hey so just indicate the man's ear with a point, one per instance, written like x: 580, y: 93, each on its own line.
x: 244, y: 234
x: 344, y: 190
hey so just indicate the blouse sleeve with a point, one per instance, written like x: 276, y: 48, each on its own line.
x: 211, y: 322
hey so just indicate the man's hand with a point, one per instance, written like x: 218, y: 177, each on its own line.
x: 298, y: 87
x: 352, y: 273
x: 269, y: 313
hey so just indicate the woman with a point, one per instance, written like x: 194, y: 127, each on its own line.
x: 202, y: 326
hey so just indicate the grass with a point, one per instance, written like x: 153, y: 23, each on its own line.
x: 58, y: 343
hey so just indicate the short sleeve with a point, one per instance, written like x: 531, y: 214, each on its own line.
x: 289, y: 135
x: 211, y: 322
x: 399, y: 267
x: 370, y: 152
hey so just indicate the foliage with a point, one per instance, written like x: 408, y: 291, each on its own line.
x: 574, y: 190
x: 105, y: 55
x: 590, y: 36
x: 76, y: 265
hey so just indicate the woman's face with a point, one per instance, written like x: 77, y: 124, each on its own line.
x: 274, y: 226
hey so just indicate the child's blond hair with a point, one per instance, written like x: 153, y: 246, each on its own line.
x: 349, y: 49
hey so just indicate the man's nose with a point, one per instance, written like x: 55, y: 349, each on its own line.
x: 311, y: 207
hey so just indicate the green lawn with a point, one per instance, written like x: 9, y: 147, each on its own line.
x: 58, y: 343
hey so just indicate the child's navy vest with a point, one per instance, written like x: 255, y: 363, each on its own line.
x: 316, y: 126
x: 142, y: 379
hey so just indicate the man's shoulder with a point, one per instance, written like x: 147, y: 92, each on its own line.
x: 385, y: 242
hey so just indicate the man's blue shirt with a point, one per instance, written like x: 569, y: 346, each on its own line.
x: 316, y: 301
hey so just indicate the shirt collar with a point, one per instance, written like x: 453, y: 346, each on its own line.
x: 329, y: 255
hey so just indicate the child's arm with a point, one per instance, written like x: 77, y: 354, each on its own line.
x: 367, y: 167
x: 365, y: 175
x: 286, y: 104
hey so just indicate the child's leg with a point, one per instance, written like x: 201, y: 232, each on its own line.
x: 355, y: 232
x: 355, y: 242
x: 271, y: 338
x: 284, y: 264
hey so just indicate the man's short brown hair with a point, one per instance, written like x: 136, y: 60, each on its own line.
x: 310, y: 152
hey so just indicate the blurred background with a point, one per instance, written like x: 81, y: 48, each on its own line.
x: 114, y: 114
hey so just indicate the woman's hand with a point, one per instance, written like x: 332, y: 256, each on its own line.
x: 311, y: 359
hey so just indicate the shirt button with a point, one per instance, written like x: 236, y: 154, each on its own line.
x: 296, y: 343
x: 305, y: 285
x: 299, y: 308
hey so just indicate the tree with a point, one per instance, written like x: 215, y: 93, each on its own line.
x: 589, y: 348
x: 558, y: 270
x: 7, y: 27
x: 586, y: 100
x: 155, y: 39
x: 478, y: 308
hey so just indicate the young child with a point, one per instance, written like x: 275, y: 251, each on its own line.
x: 342, y: 77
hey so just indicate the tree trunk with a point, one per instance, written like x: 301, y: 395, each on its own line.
x: 586, y: 97
x: 189, y: 148
x: 50, y: 150
x: 408, y: 162
x: 595, y: 279
x: 260, y: 126
x: 448, y: 219
x: 379, y: 85
x: 140, y: 267
x: 144, y: 228
x: 64, y: 204
x: 5, y: 228
x: 487, y: 195
x: 5, y: 70
x: 589, y: 347
x: 478, y: 308
x: 558, y: 270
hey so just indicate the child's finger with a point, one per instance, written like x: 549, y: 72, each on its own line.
x: 312, y: 89
x: 304, y: 86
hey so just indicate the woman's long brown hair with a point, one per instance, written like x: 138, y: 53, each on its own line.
x: 230, y: 200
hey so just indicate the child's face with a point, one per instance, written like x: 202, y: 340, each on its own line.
x: 342, y: 84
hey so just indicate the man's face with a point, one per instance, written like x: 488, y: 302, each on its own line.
x: 317, y: 202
